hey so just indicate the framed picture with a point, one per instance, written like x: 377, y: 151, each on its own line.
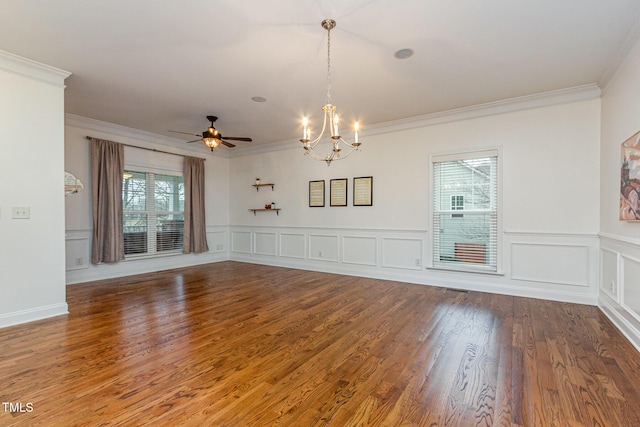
x: 316, y: 194
x: 630, y: 179
x: 363, y: 191
x: 338, y: 190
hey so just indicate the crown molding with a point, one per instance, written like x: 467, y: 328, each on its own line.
x: 35, y: 70
x: 544, y: 99
x: 147, y: 138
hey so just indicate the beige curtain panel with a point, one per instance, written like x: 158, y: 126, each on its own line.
x: 195, y: 230
x: 107, y: 167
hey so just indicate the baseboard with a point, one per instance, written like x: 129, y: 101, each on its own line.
x: 32, y: 314
x: 630, y: 331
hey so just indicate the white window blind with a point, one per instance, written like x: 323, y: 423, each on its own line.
x: 465, y: 184
x: 153, y: 212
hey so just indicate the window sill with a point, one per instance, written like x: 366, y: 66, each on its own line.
x: 152, y: 256
x: 462, y: 269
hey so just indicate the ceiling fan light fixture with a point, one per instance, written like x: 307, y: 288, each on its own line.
x: 212, y: 138
x: 211, y: 142
x: 330, y: 118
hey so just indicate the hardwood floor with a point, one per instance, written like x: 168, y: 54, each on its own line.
x: 233, y: 344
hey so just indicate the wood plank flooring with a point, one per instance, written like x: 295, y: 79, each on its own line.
x: 234, y: 344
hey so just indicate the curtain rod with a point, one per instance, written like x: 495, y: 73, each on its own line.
x: 89, y: 138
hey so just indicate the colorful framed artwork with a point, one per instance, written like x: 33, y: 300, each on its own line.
x: 630, y: 179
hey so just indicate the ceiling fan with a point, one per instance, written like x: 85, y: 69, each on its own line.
x: 212, y: 138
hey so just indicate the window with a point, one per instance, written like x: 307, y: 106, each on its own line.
x: 465, y: 182
x: 153, y: 212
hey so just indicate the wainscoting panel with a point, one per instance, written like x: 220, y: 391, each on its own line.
x: 359, y: 250
x: 620, y: 284
x: 550, y: 263
x: 609, y: 283
x: 217, y: 241
x: 323, y: 247
x: 563, y: 267
x: 630, y: 290
x: 404, y: 253
x: 292, y: 245
x: 78, y: 250
x: 241, y: 241
x: 265, y: 243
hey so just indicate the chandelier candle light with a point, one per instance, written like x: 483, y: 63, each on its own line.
x: 330, y: 118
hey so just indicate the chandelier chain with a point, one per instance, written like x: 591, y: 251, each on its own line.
x: 329, y: 66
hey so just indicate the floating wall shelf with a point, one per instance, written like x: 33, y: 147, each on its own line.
x: 276, y: 210
x: 263, y: 185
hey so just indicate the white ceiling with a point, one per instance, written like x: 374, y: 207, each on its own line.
x: 158, y: 65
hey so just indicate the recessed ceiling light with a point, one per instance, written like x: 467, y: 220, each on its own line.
x: 259, y: 99
x: 403, y: 53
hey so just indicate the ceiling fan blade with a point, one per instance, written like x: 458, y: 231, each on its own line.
x: 235, y: 138
x: 186, y: 133
x: 228, y: 144
x: 195, y: 140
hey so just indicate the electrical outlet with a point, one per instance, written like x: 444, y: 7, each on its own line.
x: 612, y: 284
x: 79, y: 261
x: 20, y: 213
x: 319, y: 254
x: 418, y: 262
x: 219, y: 247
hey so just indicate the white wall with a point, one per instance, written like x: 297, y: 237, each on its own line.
x: 550, y: 203
x: 32, y: 276
x: 620, y: 240
x: 79, y: 220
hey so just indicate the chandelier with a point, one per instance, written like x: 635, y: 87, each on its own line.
x: 330, y: 119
